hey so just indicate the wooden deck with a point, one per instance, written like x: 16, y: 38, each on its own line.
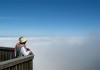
x: 7, y: 62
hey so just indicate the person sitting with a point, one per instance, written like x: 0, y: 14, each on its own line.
x: 20, y: 48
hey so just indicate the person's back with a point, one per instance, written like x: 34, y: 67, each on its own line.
x: 20, y: 49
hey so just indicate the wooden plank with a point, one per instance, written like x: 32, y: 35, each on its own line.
x: 27, y: 65
x: 8, y: 68
x: 6, y: 54
x: 16, y: 67
x: 3, y: 55
x: 6, y: 48
x: 12, y: 62
x: 0, y: 55
x: 21, y: 63
x: 22, y: 66
x: 31, y: 65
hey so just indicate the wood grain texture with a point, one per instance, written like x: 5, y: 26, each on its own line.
x: 7, y: 62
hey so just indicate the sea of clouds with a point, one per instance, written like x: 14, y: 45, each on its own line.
x: 62, y: 53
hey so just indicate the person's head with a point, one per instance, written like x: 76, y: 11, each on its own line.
x: 22, y: 40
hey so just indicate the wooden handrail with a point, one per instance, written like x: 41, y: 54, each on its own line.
x: 6, y: 53
x: 12, y: 62
x: 9, y: 63
x: 6, y: 48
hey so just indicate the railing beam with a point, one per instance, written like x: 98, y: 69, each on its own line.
x: 21, y: 63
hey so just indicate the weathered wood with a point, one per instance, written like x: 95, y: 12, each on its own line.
x: 6, y: 53
x: 12, y: 62
x: 21, y: 63
x: 6, y: 48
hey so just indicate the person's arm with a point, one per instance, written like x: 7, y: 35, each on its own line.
x: 24, y: 52
x: 28, y: 49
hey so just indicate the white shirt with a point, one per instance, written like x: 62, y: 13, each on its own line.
x: 24, y: 52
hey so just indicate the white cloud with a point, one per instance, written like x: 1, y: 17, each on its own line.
x: 62, y: 53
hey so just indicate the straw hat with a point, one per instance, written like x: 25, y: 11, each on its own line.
x: 22, y: 40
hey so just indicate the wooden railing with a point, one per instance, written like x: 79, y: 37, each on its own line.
x: 6, y: 53
x: 7, y: 62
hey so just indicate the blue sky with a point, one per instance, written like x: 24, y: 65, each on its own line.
x: 49, y: 18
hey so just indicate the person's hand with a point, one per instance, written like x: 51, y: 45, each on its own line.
x: 28, y: 49
x: 31, y: 53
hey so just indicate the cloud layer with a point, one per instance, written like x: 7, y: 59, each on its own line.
x: 62, y: 53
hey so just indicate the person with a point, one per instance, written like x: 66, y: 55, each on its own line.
x: 20, y: 48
